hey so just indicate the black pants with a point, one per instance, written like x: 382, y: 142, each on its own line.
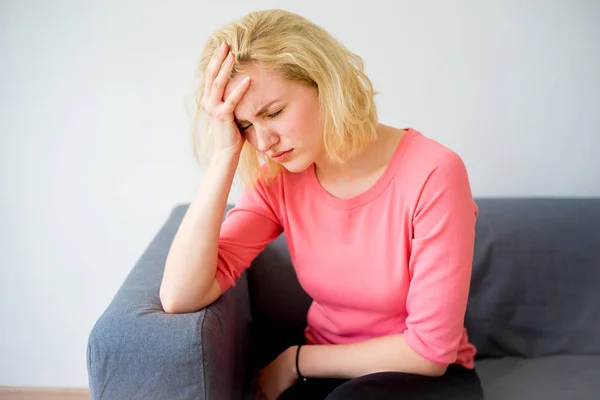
x: 457, y: 383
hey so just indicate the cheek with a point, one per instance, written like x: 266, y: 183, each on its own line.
x: 295, y: 124
x: 307, y: 118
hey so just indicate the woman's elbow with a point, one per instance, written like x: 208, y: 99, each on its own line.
x: 437, y: 370
x: 176, y: 304
x: 169, y: 303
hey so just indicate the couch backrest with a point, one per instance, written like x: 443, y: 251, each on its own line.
x: 279, y: 304
x: 535, y: 287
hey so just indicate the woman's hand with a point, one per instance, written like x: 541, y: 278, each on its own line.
x: 279, y: 375
x: 220, y: 112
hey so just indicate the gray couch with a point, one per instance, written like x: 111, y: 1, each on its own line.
x: 533, y: 313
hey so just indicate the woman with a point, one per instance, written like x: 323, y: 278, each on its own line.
x: 379, y: 221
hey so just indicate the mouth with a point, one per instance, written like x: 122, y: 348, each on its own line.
x: 282, y: 155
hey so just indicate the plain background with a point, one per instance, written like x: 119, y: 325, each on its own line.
x: 95, y: 144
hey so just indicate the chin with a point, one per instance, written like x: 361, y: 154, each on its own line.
x: 295, y: 166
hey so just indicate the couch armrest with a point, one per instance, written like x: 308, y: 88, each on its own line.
x: 137, y: 351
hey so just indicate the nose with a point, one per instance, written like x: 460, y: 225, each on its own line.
x: 265, y: 139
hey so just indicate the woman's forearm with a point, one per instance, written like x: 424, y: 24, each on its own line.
x: 387, y: 353
x: 189, y: 276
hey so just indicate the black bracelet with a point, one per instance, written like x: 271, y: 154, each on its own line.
x: 297, y: 368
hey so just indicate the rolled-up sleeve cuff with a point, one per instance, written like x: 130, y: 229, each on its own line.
x: 438, y: 356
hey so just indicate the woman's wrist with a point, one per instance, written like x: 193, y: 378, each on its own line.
x: 296, y: 368
x: 293, y: 352
x: 225, y: 157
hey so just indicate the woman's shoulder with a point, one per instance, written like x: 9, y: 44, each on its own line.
x: 425, y: 150
x: 425, y: 156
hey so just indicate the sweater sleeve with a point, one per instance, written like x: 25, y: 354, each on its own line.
x: 247, y: 229
x: 441, y: 262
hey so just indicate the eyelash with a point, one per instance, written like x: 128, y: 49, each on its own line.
x: 270, y: 116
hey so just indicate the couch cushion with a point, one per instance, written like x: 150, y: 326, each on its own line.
x: 550, y: 378
x: 534, y: 290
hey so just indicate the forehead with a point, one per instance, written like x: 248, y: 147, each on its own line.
x: 265, y: 86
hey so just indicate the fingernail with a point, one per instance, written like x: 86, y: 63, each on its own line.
x: 223, y: 45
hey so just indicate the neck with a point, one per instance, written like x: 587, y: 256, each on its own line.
x: 372, y: 158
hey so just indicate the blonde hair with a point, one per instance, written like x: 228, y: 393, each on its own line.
x: 299, y: 50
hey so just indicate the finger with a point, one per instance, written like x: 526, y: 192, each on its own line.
x: 236, y: 95
x: 214, y: 66
x: 218, y: 86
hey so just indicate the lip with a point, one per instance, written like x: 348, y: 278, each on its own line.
x: 281, y: 155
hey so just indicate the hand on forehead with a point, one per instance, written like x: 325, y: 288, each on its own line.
x: 265, y: 86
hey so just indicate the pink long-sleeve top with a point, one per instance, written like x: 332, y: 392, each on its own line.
x: 395, y: 259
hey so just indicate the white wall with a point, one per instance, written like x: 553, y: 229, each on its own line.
x: 95, y: 149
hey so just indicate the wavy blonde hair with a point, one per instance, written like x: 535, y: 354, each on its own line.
x: 299, y: 50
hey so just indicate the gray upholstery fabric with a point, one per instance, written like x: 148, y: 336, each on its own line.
x: 536, y: 278
x: 533, y: 313
x: 563, y: 377
x: 137, y: 351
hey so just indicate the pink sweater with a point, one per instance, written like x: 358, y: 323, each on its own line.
x: 394, y: 259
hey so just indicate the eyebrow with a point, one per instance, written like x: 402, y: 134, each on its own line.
x: 260, y: 112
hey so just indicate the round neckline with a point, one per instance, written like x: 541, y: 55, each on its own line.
x: 372, y: 192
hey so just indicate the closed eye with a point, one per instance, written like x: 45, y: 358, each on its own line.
x: 270, y: 116
x: 276, y: 113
